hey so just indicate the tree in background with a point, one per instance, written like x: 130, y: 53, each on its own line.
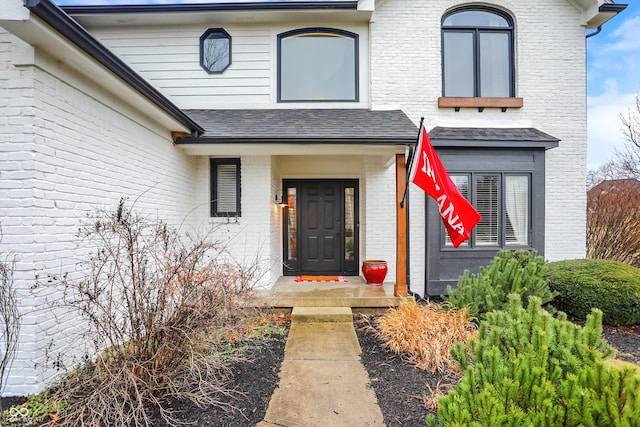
x: 613, y: 197
x: 629, y: 159
x: 626, y: 162
x: 613, y: 221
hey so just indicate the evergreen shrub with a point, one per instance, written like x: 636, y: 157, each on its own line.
x: 583, y: 284
x: 527, y: 368
x: 521, y: 272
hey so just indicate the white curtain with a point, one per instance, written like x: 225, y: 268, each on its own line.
x: 517, y: 203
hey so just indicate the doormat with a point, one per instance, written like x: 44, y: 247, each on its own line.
x: 321, y: 279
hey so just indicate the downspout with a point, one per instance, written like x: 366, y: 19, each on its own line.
x: 595, y: 32
x: 614, y: 8
x: 408, y: 243
x: 408, y: 238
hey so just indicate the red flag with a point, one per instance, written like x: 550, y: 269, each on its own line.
x: 458, y: 215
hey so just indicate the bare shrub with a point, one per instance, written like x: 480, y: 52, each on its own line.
x: 423, y: 334
x: 9, y: 318
x: 430, y: 400
x: 613, y: 221
x: 154, y: 307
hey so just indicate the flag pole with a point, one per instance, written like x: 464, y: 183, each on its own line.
x: 412, y: 152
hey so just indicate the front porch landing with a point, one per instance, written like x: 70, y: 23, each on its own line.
x: 287, y: 293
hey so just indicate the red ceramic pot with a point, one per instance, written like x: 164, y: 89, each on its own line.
x: 374, y: 271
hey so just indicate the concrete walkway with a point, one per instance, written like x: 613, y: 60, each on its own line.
x: 322, y: 380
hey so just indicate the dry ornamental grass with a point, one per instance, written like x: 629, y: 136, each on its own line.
x: 424, y: 333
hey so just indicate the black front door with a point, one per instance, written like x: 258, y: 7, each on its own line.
x: 321, y: 227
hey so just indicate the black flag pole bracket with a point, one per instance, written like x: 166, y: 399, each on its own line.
x: 412, y: 152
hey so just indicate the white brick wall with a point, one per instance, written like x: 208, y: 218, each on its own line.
x: 550, y: 68
x: 255, y: 236
x: 249, y: 238
x: 379, y: 213
x: 67, y: 148
x: 276, y: 238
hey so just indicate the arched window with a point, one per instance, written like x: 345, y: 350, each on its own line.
x: 317, y: 64
x: 477, y: 53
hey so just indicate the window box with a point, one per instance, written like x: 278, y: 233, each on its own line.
x: 481, y: 103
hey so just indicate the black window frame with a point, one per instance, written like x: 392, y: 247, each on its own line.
x: 472, y: 244
x: 203, y: 37
x: 476, y: 30
x: 213, y: 167
x: 312, y: 30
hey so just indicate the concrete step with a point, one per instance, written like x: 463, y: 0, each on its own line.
x: 288, y: 293
x: 321, y: 315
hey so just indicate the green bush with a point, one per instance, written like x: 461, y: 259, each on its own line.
x: 527, y: 368
x: 583, y: 284
x: 520, y: 272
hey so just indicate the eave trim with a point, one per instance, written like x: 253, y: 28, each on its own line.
x: 447, y: 143
x: 315, y: 141
x: 613, y: 7
x: 61, y: 22
x: 205, y: 7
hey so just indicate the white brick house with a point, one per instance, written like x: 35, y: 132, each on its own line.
x: 213, y: 113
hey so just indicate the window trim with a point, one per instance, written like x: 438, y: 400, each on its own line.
x: 213, y: 168
x: 203, y: 38
x: 471, y: 245
x: 312, y: 30
x: 478, y: 100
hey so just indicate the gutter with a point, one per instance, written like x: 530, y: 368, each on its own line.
x: 302, y: 140
x: 212, y: 7
x: 62, y: 23
x: 611, y: 8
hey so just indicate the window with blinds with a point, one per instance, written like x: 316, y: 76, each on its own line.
x: 462, y: 182
x: 504, y: 202
x: 486, y: 197
x: 225, y: 187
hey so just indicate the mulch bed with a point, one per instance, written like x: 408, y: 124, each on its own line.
x: 254, y: 381
x: 399, y: 386
x: 626, y: 339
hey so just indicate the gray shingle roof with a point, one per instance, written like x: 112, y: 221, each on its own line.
x: 501, y: 137
x: 303, y: 126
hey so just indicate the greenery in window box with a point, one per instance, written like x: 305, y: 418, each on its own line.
x: 527, y: 368
x: 521, y: 272
x: 583, y: 284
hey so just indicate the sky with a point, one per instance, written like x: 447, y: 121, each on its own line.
x: 613, y: 81
x: 613, y: 75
